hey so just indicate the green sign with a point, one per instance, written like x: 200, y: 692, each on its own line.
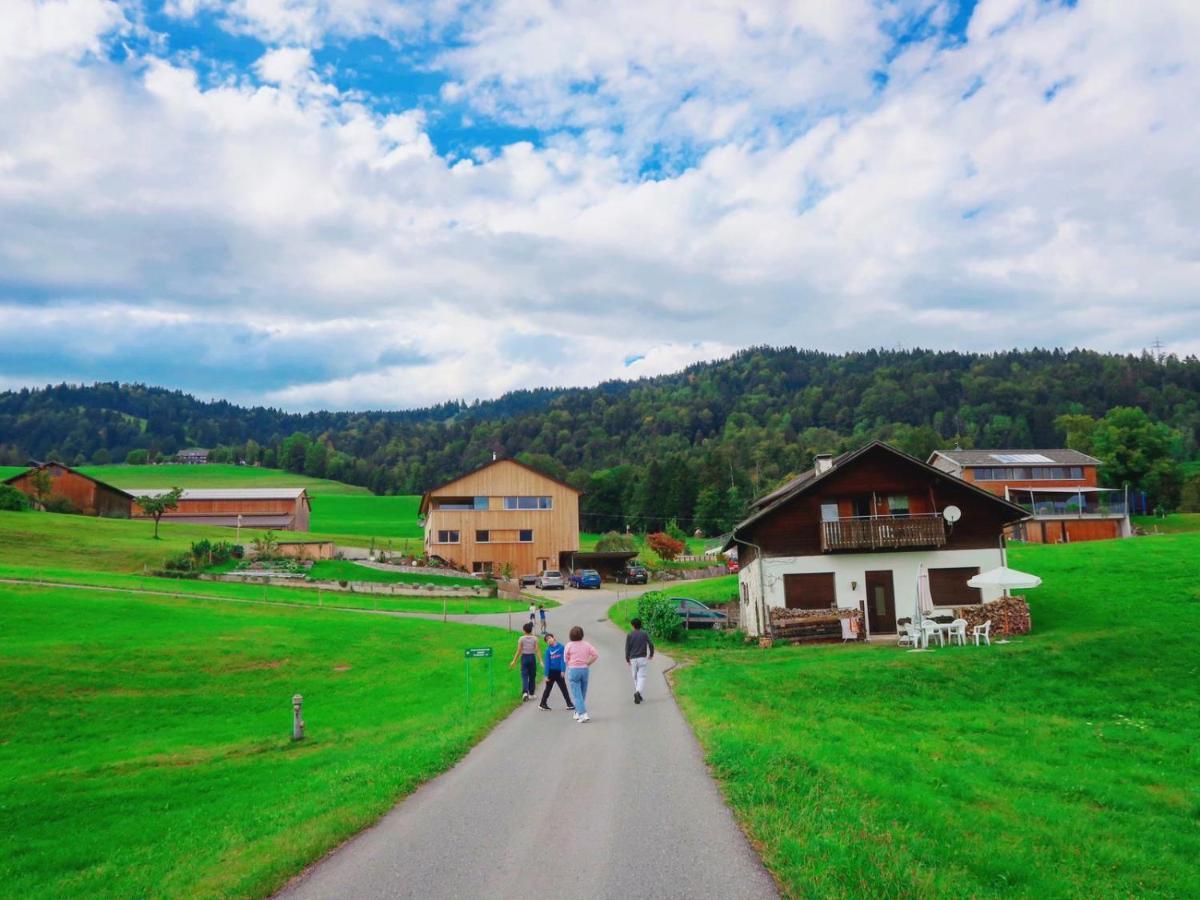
x: 477, y: 651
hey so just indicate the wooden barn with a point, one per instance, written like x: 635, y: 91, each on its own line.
x: 87, y: 495
x: 283, y: 509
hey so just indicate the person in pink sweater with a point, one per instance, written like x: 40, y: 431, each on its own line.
x: 579, y: 657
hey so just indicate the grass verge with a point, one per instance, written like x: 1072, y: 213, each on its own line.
x: 343, y: 570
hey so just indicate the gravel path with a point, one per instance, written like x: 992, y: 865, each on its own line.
x: 622, y: 806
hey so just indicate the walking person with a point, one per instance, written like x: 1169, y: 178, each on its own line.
x: 579, y: 656
x: 527, y: 653
x: 542, y: 616
x: 639, y: 650
x: 555, y: 665
x: 532, y: 612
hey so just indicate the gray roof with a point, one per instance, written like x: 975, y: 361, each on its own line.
x: 799, y: 481
x: 1059, y: 457
x: 279, y: 493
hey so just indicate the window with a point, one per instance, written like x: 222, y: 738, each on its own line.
x: 809, y: 591
x: 481, y: 567
x: 448, y: 537
x: 898, y: 505
x: 949, y: 586
x: 525, y: 536
x: 745, y: 593
x: 528, y: 503
x: 482, y: 537
x: 1077, y: 473
x: 481, y: 502
x: 829, y: 512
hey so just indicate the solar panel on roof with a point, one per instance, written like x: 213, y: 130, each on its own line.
x: 1020, y: 458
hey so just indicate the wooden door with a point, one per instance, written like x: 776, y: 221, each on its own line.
x: 881, y: 601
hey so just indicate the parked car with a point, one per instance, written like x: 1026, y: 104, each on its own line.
x: 528, y: 580
x: 550, y: 579
x: 696, y: 615
x: 731, y: 566
x: 633, y: 574
x: 585, y: 578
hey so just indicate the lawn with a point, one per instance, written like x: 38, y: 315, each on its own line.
x: 341, y: 570
x: 215, y: 475
x: 1175, y: 523
x: 695, y: 546
x: 387, y: 519
x: 145, y: 743
x: 711, y: 591
x: 1062, y: 764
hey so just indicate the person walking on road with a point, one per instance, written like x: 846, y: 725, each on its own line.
x: 527, y: 653
x: 542, y: 616
x: 639, y: 650
x: 532, y: 612
x: 579, y: 656
x: 555, y: 664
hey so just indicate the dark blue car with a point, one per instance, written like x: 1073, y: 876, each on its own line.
x: 586, y: 578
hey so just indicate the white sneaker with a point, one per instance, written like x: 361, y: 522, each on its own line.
x: 524, y: 696
x: 584, y: 718
x: 575, y: 716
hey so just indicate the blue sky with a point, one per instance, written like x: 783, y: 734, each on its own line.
x: 369, y: 203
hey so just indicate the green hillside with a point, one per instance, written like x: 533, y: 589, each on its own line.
x: 215, y: 475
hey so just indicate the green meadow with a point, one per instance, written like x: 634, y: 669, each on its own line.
x: 146, y: 747
x: 389, y: 520
x: 1174, y: 523
x: 1061, y: 764
x: 216, y: 475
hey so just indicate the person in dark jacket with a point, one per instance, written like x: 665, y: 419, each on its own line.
x: 555, y: 665
x: 639, y: 650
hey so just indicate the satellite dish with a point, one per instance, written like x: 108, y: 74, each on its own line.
x: 951, y: 514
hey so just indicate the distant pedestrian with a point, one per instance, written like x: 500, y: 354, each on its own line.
x: 579, y: 656
x: 542, y: 617
x: 532, y: 612
x: 639, y: 650
x: 527, y: 653
x: 555, y: 665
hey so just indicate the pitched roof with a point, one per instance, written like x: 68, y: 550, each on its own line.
x: 1060, y: 457
x: 802, y: 483
x: 43, y: 465
x: 487, y: 465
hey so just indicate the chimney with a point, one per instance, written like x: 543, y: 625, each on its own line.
x: 823, y: 463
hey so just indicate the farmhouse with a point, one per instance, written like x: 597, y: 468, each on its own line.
x: 192, y: 456
x: 1058, y: 487
x: 503, y: 512
x: 854, y: 532
x: 84, y: 493
x: 285, y: 509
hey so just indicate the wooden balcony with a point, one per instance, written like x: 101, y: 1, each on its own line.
x: 883, y: 533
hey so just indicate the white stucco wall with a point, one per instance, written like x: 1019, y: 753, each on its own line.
x: 848, y: 568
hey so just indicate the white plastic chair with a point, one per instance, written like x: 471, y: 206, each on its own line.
x: 909, y: 635
x: 983, y: 631
x: 933, y: 628
x: 958, y: 632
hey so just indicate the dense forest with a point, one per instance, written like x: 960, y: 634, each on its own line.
x: 692, y: 446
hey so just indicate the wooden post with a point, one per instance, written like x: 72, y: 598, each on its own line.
x: 297, y: 718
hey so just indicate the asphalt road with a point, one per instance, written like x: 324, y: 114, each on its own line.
x: 621, y: 806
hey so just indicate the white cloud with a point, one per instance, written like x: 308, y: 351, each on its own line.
x: 1035, y: 185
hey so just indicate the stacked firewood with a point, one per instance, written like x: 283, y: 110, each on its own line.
x: 796, y: 625
x: 1009, y: 615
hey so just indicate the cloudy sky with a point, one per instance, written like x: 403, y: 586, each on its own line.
x: 366, y: 203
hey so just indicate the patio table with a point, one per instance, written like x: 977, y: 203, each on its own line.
x: 941, y: 629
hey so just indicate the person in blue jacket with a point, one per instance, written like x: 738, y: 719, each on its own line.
x: 556, y: 664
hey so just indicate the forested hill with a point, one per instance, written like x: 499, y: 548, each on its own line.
x: 646, y: 449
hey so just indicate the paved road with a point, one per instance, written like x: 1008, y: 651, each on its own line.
x: 619, y: 807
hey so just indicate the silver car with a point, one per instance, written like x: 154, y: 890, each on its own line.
x: 550, y: 579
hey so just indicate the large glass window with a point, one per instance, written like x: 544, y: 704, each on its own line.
x: 528, y: 503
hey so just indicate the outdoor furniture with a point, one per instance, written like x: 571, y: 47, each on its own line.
x: 909, y: 635
x: 930, y: 627
x: 983, y: 631
x: 958, y: 632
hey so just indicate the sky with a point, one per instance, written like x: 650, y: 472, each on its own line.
x: 369, y: 204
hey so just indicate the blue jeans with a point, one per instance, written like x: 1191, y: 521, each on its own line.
x: 528, y: 672
x: 578, y: 679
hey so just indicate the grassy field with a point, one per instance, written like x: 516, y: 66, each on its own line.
x: 145, y: 743
x: 695, y: 546
x: 711, y: 591
x: 7, y: 472
x: 387, y: 519
x: 1061, y: 764
x: 339, y: 570
x: 216, y: 475
x: 1175, y: 523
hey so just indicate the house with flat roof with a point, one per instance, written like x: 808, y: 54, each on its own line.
x: 1060, y: 488
x: 503, y: 512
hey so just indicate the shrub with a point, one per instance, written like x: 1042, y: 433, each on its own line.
x: 664, y: 545
x: 57, y: 503
x: 658, y: 616
x: 613, y: 541
x: 1190, y: 496
x: 137, y: 457
x: 12, y: 500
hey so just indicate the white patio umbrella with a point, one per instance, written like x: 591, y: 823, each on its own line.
x: 924, y: 602
x: 1005, y: 578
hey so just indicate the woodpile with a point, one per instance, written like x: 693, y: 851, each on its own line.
x: 1009, y: 615
x: 803, y: 625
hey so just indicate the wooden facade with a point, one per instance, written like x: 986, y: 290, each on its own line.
x: 505, y: 512
x: 87, y: 495
x: 281, y: 509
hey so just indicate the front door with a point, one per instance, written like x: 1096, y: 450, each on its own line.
x: 881, y: 602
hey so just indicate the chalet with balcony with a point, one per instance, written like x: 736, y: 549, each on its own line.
x: 854, y: 532
x: 504, y: 512
x: 1059, y: 488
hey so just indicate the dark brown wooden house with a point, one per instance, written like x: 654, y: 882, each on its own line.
x: 855, y: 531
x: 87, y: 495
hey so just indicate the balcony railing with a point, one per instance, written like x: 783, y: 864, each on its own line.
x: 883, y: 533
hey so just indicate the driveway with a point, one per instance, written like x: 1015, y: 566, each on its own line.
x: 622, y: 806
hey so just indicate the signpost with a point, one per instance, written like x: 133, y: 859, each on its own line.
x: 478, y: 653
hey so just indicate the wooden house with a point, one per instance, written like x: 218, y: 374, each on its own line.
x: 192, y: 456
x: 503, y: 512
x: 854, y: 533
x: 87, y: 495
x: 1059, y: 488
x: 283, y: 509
